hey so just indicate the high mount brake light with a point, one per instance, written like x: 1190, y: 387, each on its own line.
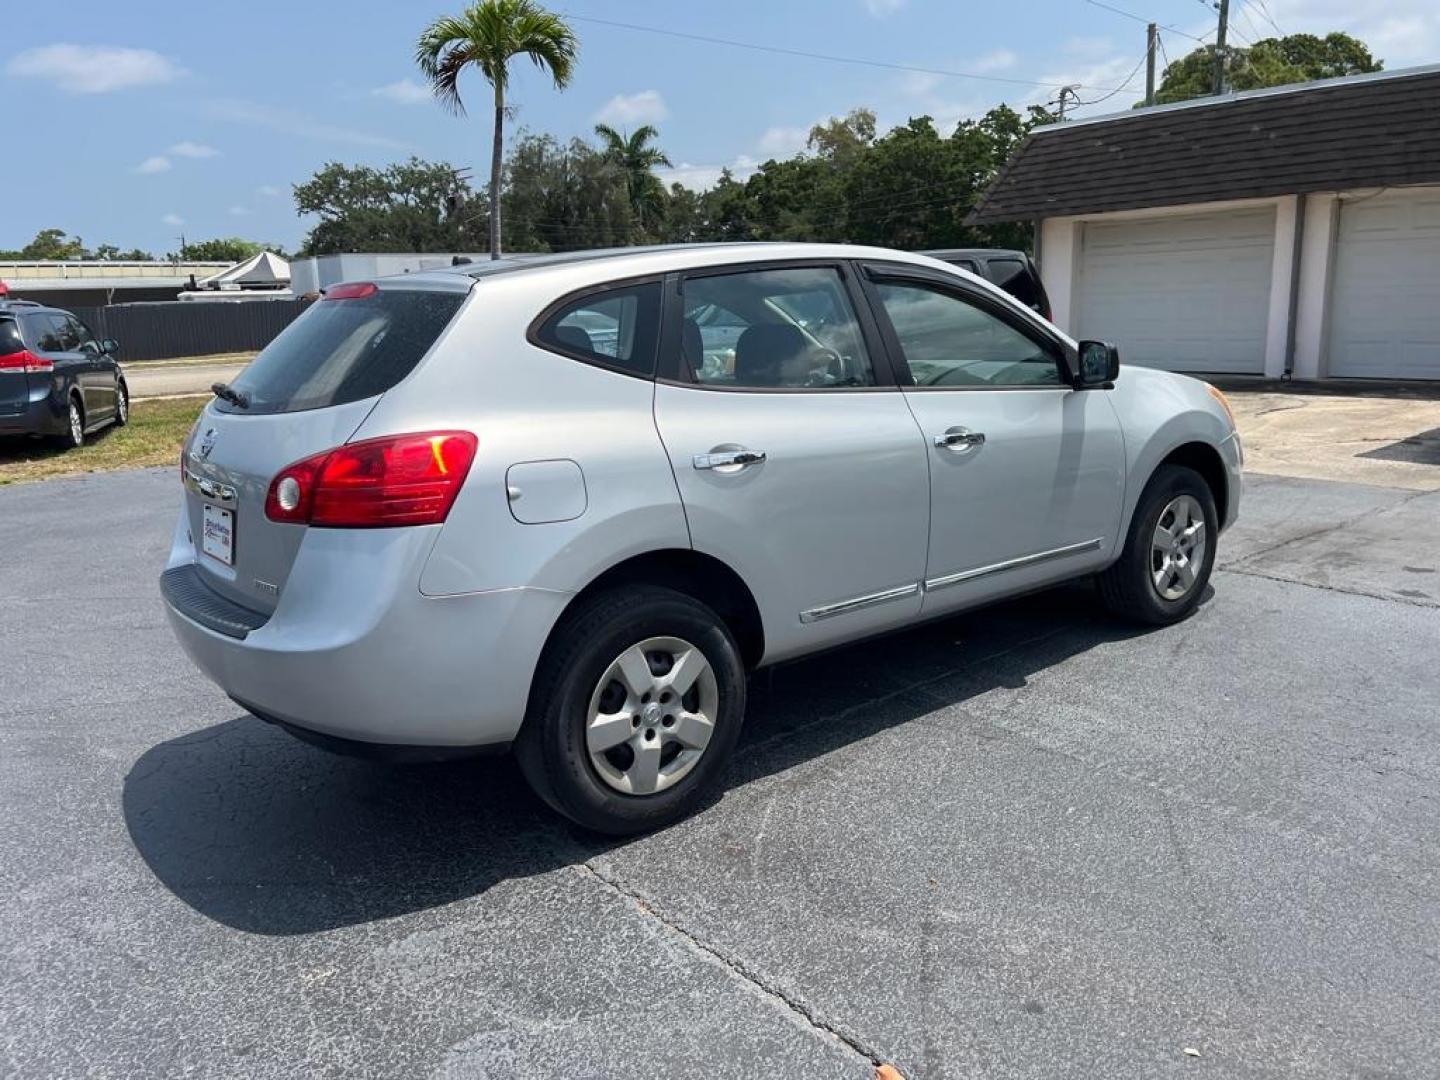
x: 377, y: 483
x: 27, y: 362
x: 352, y: 290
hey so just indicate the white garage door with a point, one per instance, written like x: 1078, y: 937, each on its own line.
x: 1185, y: 293
x: 1385, y: 296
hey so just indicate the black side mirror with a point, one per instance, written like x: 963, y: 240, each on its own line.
x: 109, y: 346
x: 1096, y: 364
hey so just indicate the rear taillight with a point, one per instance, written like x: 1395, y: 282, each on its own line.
x: 396, y: 480
x: 26, y: 361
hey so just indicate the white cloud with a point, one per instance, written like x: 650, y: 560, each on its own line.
x: 701, y: 177
x: 404, y: 92
x: 998, y: 60
x: 157, y: 164
x: 190, y: 149
x: 239, y: 211
x: 624, y: 110
x: 93, y: 69
x: 270, y: 191
x: 173, y: 219
x: 783, y: 142
x: 289, y: 122
x: 883, y: 8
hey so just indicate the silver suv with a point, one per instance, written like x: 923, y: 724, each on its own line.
x: 566, y: 505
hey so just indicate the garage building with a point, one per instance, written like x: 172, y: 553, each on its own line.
x: 1294, y: 230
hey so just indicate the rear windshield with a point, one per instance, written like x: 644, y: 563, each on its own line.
x: 341, y: 351
x: 10, y: 337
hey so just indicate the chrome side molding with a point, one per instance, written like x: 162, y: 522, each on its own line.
x: 844, y: 607
x: 946, y: 580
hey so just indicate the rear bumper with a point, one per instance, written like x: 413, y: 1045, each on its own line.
x: 42, y: 416
x: 354, y: 652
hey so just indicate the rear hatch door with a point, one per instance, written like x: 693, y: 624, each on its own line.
x: 307, y: 392
x: 14, y: 382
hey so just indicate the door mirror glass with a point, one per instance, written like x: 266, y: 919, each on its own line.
x: 109, y: 346
x: 1099, y: 364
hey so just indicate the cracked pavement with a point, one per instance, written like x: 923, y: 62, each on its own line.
x: 1023, y: 842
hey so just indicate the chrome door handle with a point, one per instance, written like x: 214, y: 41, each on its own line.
x: 722, y: 459
x: 959, y: 438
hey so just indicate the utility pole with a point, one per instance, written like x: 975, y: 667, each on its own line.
x: 1224, y: 6
x: 1066, y: 91
x: 1152, y: 37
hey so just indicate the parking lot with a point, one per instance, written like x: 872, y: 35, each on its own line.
x: 1025, y: 842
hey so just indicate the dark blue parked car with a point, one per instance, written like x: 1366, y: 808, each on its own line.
x: 56, y: 378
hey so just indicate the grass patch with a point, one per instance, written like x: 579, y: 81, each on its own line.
x: 153, y: 437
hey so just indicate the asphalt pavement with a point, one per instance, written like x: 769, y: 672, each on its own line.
x: 1026, y: 842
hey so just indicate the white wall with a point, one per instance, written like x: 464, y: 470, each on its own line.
x: 1316, y: 265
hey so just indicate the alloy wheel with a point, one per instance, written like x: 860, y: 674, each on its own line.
x: 122, y: 404
x: 1177, y: 548
x: 77, y: 425
x: 652, y: 715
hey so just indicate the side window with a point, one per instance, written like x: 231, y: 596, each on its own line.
x: 773, y: 329
x: 81, y: 335
x: 617, y: 328
x: 966, y: 264
x: 41, y: 332
x: 948, y: 341
x: 1014, y: 277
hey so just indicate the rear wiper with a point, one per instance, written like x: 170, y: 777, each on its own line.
x: 226, y: 392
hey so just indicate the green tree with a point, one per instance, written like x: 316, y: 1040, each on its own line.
x: 227, y: 249
x: 488, y: 35
x: 53, y: 245
x: 413, y: 205
x: 637, y: 157
x: 563, y: 197
x: 1295, y: 58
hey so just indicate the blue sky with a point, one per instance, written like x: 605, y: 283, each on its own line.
x: 200, y: 118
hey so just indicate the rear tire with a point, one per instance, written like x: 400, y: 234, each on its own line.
x: 635, y: 708
x: 74, y: 436
x: 1169, y: 552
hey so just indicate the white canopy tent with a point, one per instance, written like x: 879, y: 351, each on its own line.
x: 263, y: 271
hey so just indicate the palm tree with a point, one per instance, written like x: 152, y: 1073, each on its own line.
x: 488, y: 35
x: 635, y: 157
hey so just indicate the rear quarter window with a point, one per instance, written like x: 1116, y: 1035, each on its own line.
x: 341, y: 351
x: 615, y: 328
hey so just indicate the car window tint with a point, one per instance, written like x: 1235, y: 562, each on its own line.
x: 966, y: 264
x: 41, y: 332
x: 344, y: 350
x: 948, y: 341
x: 775, y: 329
x: 77, y: 330
x: 617, y: 328
x: 10, y: 339
x: 1014, y: 277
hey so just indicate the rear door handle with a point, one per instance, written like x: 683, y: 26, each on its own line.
x: 960, y: 438
x: 728, y: 459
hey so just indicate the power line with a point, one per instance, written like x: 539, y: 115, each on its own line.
x: 1142, y: 19
x: 1265, y: 13
x: 830, y: 58
x: 1128, y: 80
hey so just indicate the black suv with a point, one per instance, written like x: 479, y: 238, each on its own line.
x: 1013, y: 271
x: 56, y: 378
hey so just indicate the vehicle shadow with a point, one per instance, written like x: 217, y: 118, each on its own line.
x: 268, y: 835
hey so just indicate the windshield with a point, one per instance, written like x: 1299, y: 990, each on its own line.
x: 341, y: 351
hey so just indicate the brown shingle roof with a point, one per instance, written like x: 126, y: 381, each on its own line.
x: 1366, y: 131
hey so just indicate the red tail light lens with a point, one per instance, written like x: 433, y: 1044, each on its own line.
x: 353, y: 290
x: 378, y: 483
x: 27, y: 362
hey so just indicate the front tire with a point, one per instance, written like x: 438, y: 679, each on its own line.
x: 1169, y: 552
x: 122, y: 404
x: 636, y: 705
